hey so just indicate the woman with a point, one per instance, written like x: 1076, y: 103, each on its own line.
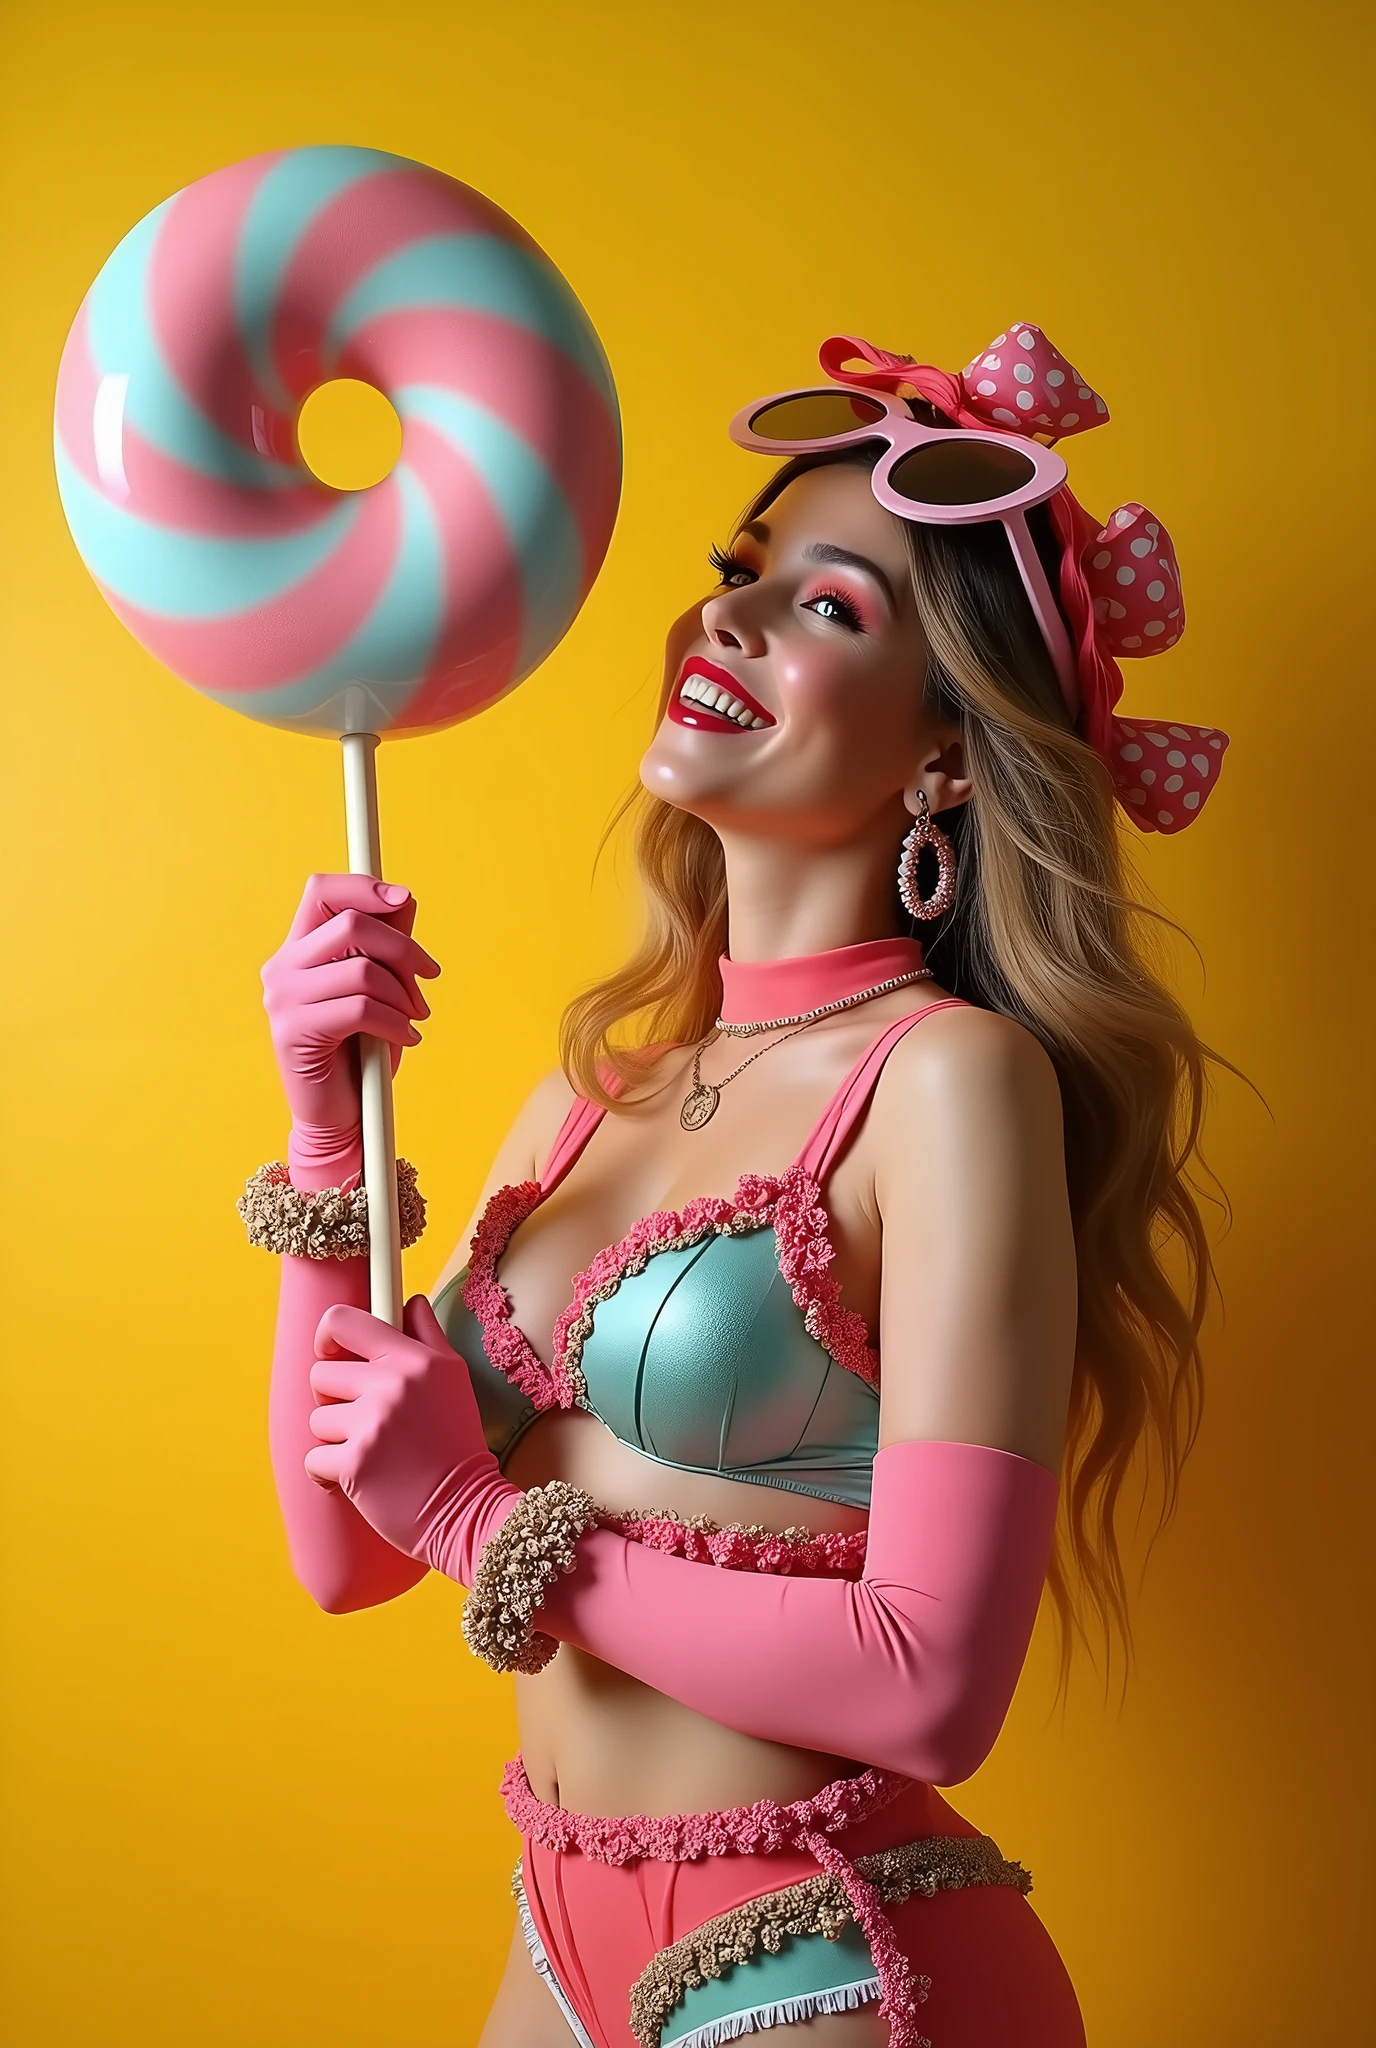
x: 789, y: 1596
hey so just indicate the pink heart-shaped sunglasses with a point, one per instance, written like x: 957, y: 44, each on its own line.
x: 938, y: 476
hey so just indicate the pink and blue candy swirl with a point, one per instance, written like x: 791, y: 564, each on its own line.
x: 398, y: 609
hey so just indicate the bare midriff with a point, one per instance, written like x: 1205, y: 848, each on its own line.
x: 597, y: 1741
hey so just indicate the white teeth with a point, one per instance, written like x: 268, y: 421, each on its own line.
x: 697, y: 690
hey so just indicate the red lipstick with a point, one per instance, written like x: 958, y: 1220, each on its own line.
x: 709, y: 681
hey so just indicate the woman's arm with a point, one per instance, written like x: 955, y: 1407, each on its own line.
x: 911, y: 1667
x: 978, y: 1298
x: 339, y: 1558
x: 342, y: 1561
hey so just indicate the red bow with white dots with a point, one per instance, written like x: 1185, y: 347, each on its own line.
x: 1119, y: 582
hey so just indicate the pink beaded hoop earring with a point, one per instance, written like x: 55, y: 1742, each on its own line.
x: 925, y: 833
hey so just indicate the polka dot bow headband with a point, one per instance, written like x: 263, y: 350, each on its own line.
x: 1119, y: 583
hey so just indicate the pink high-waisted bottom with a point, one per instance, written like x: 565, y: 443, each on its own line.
x: 995, y: 1976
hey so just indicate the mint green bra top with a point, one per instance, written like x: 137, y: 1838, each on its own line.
x: 711, y: 1339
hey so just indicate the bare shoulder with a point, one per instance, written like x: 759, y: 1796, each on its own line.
x: 534, y: 1128
x: 520, y: 1156
x: 970, y: 1048
x: 546, y: 1106
x: 967, y: 1076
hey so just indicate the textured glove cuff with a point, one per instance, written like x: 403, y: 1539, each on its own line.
x: 534, y: 1545
x: 322, y: 1223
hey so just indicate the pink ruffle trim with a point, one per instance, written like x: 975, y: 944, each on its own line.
x: 756, y: 1830
x: 789, y: 1553
x: 790, y: 1202
x: 801, y: 1229
x: 486, y: 1298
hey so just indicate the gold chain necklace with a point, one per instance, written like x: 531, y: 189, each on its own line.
x: 700, y: 1103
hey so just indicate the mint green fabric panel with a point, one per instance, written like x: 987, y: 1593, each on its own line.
x: 703, y: 1361
x: 806, y: 1965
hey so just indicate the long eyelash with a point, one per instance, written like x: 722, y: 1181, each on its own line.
x: 726, y: 564
x: 838, y: 597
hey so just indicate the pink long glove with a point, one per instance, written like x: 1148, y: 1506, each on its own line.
x: 348, y: 964
x: 911, y: 1667
x: 338, y: 1557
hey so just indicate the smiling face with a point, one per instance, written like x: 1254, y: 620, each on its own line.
x: 795, y: 692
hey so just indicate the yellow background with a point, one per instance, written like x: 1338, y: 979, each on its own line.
x: 233, y: 1820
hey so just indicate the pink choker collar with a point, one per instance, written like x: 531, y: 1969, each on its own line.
x: 755, y: 989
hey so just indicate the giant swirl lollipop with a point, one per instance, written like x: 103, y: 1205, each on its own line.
x: 369, y: 614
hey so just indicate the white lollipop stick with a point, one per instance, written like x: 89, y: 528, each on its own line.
x: 375, y: 1055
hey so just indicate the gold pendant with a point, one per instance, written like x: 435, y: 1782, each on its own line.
x: 699, y: 1106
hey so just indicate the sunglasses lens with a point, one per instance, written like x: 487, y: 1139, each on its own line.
x: 960, y: 473
x: 815, y: 416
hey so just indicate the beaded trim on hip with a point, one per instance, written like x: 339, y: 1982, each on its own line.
x: 816, y: 1905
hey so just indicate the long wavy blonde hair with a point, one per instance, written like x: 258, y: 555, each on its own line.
x: 1050, y: 928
